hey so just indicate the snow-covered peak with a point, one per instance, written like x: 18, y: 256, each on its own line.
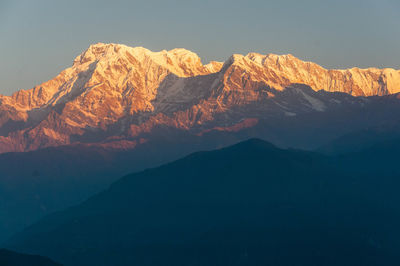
x: 179, y: 61
x: 98, y: 51
x: 279, y: 71
x: 259, y: 60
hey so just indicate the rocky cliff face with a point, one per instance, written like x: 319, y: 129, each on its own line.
x: 113, y: 94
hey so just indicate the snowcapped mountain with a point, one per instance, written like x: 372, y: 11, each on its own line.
x: 115, y: 96
x: 119, y: 109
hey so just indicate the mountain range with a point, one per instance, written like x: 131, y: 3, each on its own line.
x: 119, y: 110
x: 115, y: 96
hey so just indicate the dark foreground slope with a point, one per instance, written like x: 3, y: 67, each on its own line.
x: 10, y: 258
x: 248, y: 204
x: 34, y: 184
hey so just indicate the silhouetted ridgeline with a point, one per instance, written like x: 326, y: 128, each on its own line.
x: 248, y: 204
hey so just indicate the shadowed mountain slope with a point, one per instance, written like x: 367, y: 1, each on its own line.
x: 10, y: 258
x: 360, y: 140
x: 248, y: 204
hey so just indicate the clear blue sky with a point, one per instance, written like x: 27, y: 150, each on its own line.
x: 42, y: 37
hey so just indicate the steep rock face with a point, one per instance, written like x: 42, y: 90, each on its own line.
x: 114, y: 93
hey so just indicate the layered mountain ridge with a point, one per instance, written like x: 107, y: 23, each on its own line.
x: 247, y: 204
x: 113, y: 95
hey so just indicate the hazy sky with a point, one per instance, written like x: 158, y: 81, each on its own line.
x: 40, y: 38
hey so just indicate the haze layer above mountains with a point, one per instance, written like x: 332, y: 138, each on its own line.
x: 114, y: 96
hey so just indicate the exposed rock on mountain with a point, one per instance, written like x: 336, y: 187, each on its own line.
x: 113, y: 94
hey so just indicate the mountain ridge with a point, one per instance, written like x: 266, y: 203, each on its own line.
x: 279, y: 206
x: 121, y: 92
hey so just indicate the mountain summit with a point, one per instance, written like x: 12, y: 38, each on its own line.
x: 113, y: 94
